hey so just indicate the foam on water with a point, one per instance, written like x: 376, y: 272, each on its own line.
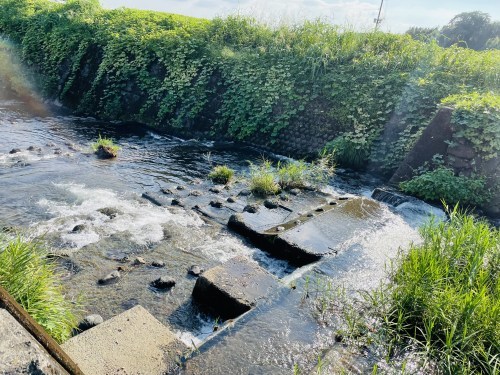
x: 23, y: 157
x: 196, y: 337
x: 225, y: 247
x: 142, y: 221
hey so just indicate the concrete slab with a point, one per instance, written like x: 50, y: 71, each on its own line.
x: 234, y: 287
x: 133, y: 342
x: 306, y: 238
x: 20, y: 353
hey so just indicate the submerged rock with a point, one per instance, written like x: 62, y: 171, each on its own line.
x: 164, y: 282
x: 195, y: 270
x: 251, y: 208
x: 79, y: 228
x: 215, y: 189
x: 14, y: 151
x: 158, y: 264
x: 138, y: 261
x: 216, y: 204
x: 295, y: 191
x: 90, y: 321
x: 271, y: 204
x: 196, y: 193
x: 245, y: 193
x: 33, y: 148
x: 109, y: 211
x: 231, y: 200
x: 177, y: 202
x: 109, y: 278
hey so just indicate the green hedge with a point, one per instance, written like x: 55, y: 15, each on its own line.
x: 236, y: 77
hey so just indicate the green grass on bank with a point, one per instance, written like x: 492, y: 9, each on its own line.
x: 237, y: 77
x: 33, y: 281
x: 444, y: 296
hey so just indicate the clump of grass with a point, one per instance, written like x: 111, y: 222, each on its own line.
x: 107, y: 144
x: 27, y: 274
x: 444, y: 295
x: 221, y: 174
x: 263, y: 179
x: 292, y: 174
x: 299, y: 174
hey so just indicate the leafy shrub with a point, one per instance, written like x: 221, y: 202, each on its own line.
x: 476, y: 117
x: 263, y: 179
x: 349, y: 153
x: 444, y: 295
x: 442, y: 184
x: 34, y: 282
x: 103, y: 142
x: 242, y: 78
x: 221, y: 174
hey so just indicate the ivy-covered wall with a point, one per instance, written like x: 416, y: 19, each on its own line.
x: 294, y: 89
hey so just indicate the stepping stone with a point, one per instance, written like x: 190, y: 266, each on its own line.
x: 133, y: 342
x: 234, y: 287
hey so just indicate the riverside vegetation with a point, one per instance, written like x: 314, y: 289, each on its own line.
x: 442, y: 302
x: 237, y: 78
x: 33, y: 281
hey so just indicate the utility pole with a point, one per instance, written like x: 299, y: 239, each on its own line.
x: 378, y: 20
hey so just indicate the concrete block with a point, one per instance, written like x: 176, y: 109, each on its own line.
x: 234, y: 287
x: 133, y: 342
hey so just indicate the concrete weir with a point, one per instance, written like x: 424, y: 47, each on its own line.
x: 306, y: 237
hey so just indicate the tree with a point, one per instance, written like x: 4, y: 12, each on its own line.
x: 424, y: 34
x: 468, y: 29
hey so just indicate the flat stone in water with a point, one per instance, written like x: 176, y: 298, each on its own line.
x: 138, y: 261
x: 158, y: 264
x: 245, y: 193
x: 271, y: 204
x: 216, y: 204
x: 164, y: 282
x: 251, y: 208
x: 195, y: 270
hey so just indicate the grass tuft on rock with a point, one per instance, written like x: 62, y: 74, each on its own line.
x: 33, y: 281
x: 105, y: 147
x: 263, y: 179
x: 221, y: 174
x: 444, y: 295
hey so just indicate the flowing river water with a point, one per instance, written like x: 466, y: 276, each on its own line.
x: 59, y: 184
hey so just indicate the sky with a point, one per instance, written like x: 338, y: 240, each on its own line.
x: 397, y: 15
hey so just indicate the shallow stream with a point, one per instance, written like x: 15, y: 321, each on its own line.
x: 60, y: 185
